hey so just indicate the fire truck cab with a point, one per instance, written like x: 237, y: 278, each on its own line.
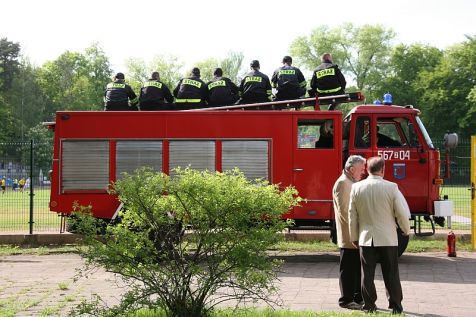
x: 305, y: 149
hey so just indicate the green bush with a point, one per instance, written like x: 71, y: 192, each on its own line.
x: 189, y: 242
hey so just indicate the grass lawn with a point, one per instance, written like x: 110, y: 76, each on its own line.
x: 461, y: 197
x: 415, y: 245
x: 15, y: 211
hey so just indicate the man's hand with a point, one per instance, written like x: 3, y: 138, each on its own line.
x: 355, y: 244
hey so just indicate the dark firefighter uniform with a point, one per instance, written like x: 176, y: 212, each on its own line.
x: 153, y: 96
x: 222, y: 92
x: 327, y: 80
x: 255, y: 87
x: 190, y: 93
x: 289, y: 82
x: 117, y: 96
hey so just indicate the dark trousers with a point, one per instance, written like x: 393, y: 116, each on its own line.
x: 253, y: 99
x: 187, y: 105
x: 349, y: 276
x: 154, y: 106
x: 388, y: 257
x: 117, y: 106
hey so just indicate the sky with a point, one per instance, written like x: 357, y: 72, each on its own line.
x: 195, y: 30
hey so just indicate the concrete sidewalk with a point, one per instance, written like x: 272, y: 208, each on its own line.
x: 433, y: 284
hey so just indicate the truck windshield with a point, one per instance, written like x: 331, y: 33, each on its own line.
x: 425, y: 134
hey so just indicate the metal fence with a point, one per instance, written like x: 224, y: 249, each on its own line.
x: 457, y: 186
x: 24, y: 208
x: 24, y: 199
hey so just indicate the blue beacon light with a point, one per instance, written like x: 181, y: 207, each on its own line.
x: 387, y: 99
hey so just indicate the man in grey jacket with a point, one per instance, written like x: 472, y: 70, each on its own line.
x: 376, y: 206
x: 349, y: 267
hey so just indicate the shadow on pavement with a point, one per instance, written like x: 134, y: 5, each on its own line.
x: 433, y: 267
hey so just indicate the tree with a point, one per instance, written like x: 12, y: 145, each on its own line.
x: 207, y: 67
x: 9, y: 65
x: 137, y: 72
x: 405, y: 64
x: 95, y: 75
x: 233, y: 220
x: 57, y: 79
x: 75, y: 81
x: 231, y: 66
x: 7, y: 121
x: 43, y: 146
x: 27, y: 101
x: 447, y: 91
x: 361, y: 52
x: 169, y: 67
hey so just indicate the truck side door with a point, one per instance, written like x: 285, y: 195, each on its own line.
x: 406, y: 163
x: 317, y: 157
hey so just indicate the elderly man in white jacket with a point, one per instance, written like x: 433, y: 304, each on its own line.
x: 349, y: 264
x: 376, y: 206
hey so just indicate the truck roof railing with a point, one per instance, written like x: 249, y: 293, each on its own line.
x: 295, y: 103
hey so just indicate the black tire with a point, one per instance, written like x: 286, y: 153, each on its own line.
x: 402, y: 241
x: 333, y: 230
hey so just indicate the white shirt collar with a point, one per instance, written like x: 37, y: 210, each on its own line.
x: 375, y: 176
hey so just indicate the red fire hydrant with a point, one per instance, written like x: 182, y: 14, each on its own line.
x: 451, y: 239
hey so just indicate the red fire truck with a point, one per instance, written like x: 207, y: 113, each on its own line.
x: 92, y: 149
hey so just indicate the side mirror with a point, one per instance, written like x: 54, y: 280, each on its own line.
x: 450, y: 140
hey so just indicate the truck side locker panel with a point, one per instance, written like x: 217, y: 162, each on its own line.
x: 251, y: 157
x: 198, y: 154
x: 132, y: 154
x: 85, y: 165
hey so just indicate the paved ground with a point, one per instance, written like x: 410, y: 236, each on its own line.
x: 433, y: 284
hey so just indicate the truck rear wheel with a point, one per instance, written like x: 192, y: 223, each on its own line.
x: 402, y: 241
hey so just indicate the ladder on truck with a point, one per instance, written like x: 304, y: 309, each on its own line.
x: 316, y: 102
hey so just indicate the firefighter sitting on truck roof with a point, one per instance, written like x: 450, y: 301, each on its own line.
x: 255, y: 87
x: 118, y: 95
x: 154, y: 94
x: 221, y: 90
x: 289, y: 81
x: 327, y: 79
x: 191, y: 92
